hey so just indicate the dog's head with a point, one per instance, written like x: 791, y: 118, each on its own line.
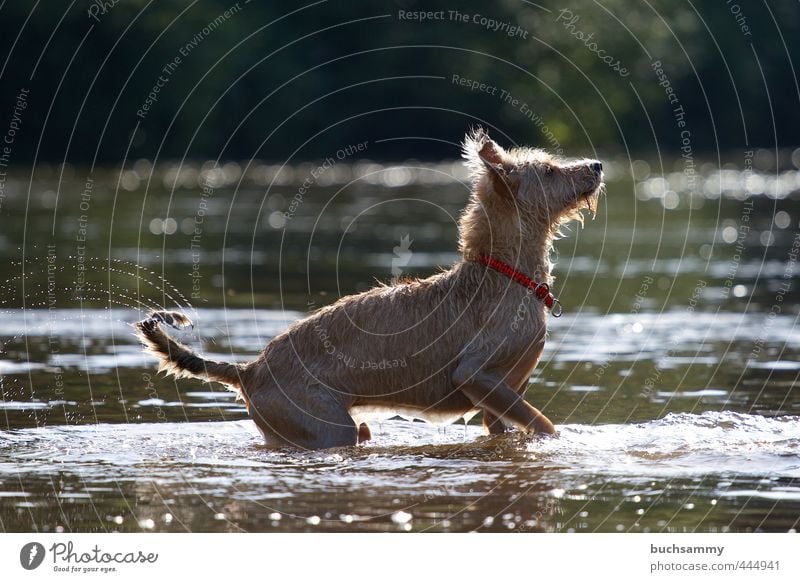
x: 541, y: 190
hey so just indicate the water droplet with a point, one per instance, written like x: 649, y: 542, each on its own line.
x: 275, y: 516
x: 313, y: 520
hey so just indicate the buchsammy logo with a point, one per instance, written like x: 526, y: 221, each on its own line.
x: 31, y: 555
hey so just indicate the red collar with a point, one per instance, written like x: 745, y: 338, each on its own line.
x: 541, y: 290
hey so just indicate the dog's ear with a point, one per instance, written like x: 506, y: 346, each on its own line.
x: 483, y: 156
x: 482, y: 153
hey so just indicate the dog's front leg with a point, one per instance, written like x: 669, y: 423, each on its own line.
x: 490, y: 393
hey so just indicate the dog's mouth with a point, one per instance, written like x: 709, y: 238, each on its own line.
x: 589, y: 199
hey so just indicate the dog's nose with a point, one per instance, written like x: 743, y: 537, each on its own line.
x: 597, y: 167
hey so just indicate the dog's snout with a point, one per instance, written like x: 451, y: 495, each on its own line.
x: 597, y: 167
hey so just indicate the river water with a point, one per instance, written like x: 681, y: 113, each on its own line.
x: 672, y: 376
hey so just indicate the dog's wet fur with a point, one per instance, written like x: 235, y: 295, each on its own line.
x: 442, y: 348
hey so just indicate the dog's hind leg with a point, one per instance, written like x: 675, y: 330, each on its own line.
x: 492, y: 424
x: 364, y: 434
x: 306, y: 417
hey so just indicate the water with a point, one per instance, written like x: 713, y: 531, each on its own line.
x: 672, y: 376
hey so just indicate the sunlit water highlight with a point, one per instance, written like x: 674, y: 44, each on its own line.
x: 672, y: 376
x: 720, y: 453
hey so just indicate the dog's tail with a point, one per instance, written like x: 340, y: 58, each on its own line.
x: 177, y: 359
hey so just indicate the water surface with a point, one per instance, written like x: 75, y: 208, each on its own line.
x: 672, y: 376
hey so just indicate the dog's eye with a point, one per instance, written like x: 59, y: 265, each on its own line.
x: 548, y: 170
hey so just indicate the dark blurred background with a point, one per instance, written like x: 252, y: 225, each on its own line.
x: 270, y: 79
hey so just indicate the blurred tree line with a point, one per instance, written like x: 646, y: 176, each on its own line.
x: 300, y: 80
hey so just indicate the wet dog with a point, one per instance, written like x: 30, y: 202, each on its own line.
x: 440, y: 349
